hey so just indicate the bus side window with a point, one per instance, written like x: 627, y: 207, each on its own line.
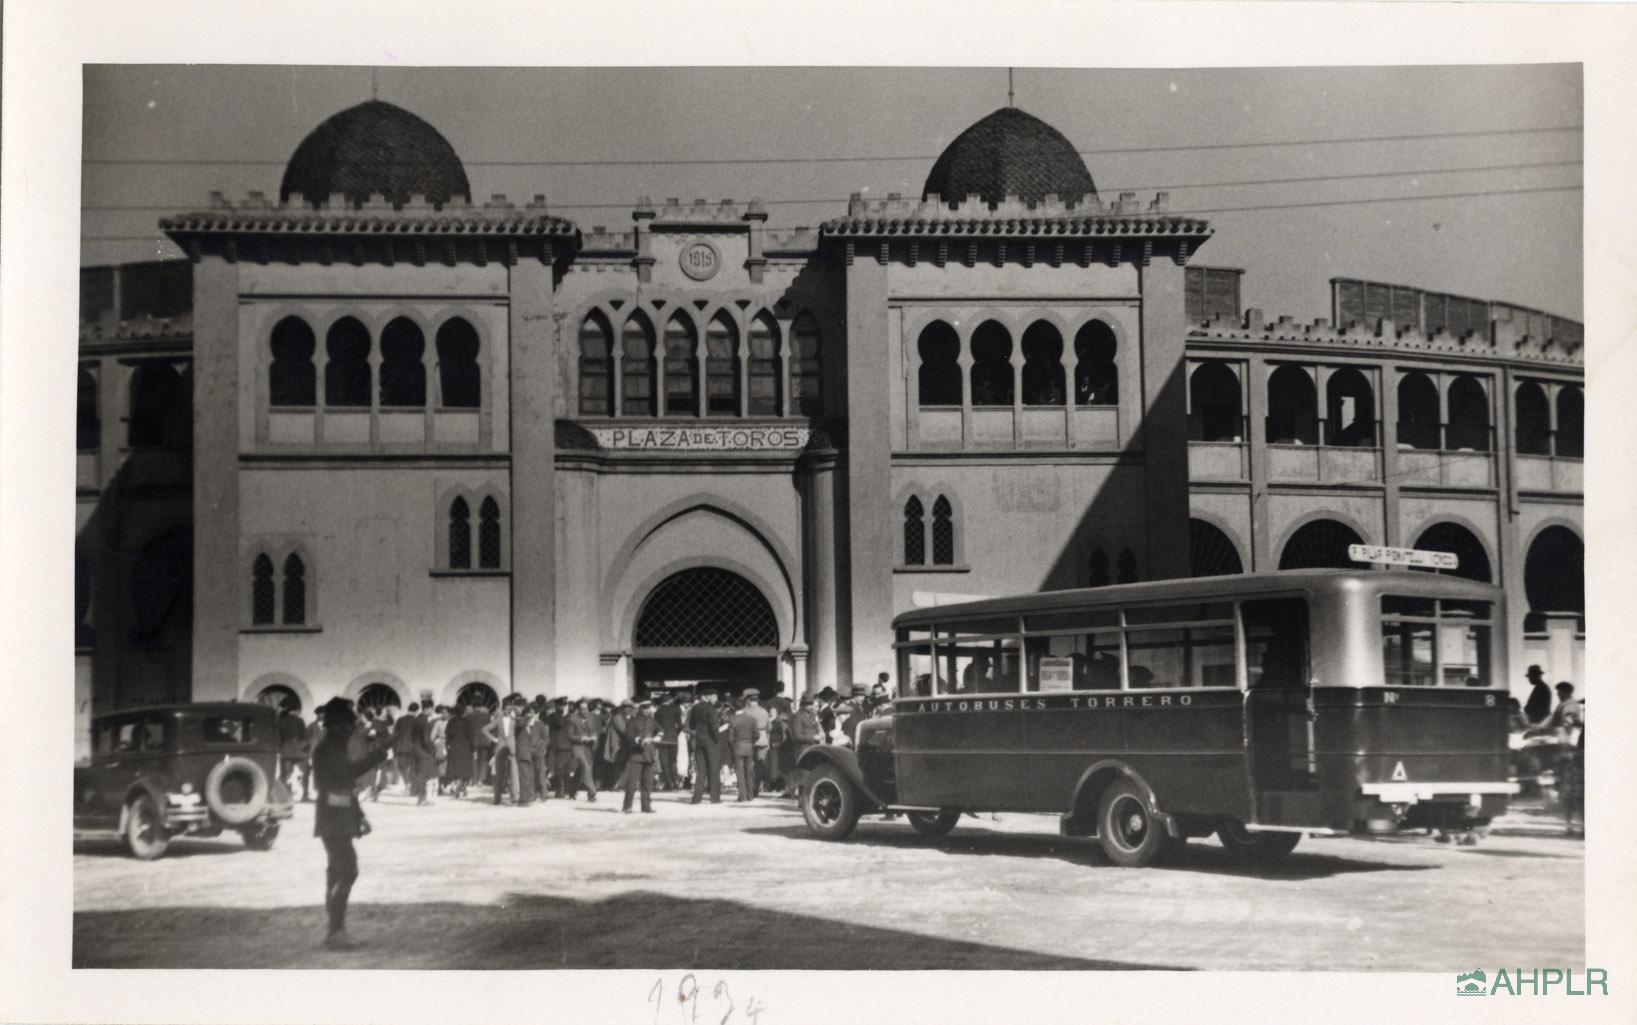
x: 1275, y: 643
x: 1088, y: 661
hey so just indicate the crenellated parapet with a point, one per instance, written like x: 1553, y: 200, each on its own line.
x: 336, y: 229
x: 1502, y: 339
x: 1055, y: 230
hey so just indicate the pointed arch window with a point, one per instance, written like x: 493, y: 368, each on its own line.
x: 637, y: 394
x: 88, y: 435
x: 403, y: 370
x: 488, y: 534
x: 1042, y: 365
x: 1418, y: 425
x: 596, y: 367
x: 460, y: 534
x: 292, y: 379
x: 1098, y: 576
x: 943, y: 532
x: 459, y: 376
x: 806, y: 367
x: 1468, y: 415
x: 914, y: 533
x: 722, y: 367
x: 1125, y: 567
x: 1293, y: 407
x: 346, y: 368
x: 939, y: 379
x: 766, y: 395
x: 1096, y: 376
x: 992, y: 377
x: 1533, y: 421
x: 295, y: 590
x: 262, y: 601
x: 681, y: 368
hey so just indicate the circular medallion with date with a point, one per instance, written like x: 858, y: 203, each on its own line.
x: 700, y: 260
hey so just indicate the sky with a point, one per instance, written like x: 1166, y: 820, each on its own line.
x: 1219, y: 141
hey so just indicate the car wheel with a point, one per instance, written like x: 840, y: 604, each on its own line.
x: 934, y: 823
x: 260, y: 838
x: 830, y: 804
x: 1126, y: 827
x: 145, y: 834
x: 236, y: 790
x: 1246, y: 844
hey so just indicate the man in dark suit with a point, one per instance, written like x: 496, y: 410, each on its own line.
x: 482, y: 746
x: 523, y: 752
x: 404, y: 748
x: 641, y: 754
x: 804, y: 733
x: 501, y: 733
x: 561, y: 748
x: 540, y: 745
x: 669, y: 718
x: 426, y: 754
x: 707, y: 754
x: 743, y: 731
x: 339, y: 820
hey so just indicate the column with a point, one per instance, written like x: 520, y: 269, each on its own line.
x: 868, y: 488
x: 1165, y: 418
x: 798, y: 672
x: 823, y: 574
x: 1388, y: 404
x: 1263, y: 558
x: 531, y: 332
x: 217, y: 578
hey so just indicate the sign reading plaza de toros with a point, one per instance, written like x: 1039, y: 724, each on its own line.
x: 703, y: 439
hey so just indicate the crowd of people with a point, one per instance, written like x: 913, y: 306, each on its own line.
x: 526, y: 750
x: 1550, y: 743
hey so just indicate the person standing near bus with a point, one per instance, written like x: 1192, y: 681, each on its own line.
x: 1539, y: 704
x: 706, y: 757
x: 339, y: 819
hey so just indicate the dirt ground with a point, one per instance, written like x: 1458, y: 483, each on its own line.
x: 465, y: 884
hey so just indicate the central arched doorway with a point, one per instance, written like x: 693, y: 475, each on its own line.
x: 706, y: 626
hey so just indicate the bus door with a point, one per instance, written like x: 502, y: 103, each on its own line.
x: 1278, y: 700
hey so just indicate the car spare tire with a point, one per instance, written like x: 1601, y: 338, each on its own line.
x: 236, y: 790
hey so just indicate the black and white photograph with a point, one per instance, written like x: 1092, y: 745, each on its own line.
x: 686, y: 523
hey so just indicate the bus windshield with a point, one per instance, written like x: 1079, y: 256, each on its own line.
x: 1430, y: 643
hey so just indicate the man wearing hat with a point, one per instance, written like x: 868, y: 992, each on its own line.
x: 805, y: 732
x: 669, y: 717
x: 560, y: 751
x: 744, y: 731
x: 582, y: 735
x: 339, y: 819
x: 641, y: 755
x: 1539, y: 705
x: 707, y: 754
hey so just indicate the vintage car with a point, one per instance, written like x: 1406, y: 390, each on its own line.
x: 182, y: 770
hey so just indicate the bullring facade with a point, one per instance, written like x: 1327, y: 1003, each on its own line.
x: 439, y: 446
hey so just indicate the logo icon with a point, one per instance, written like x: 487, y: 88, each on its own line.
x: 1472, y: 984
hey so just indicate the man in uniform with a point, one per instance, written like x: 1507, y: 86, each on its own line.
x: 339, y: 819
x: 582, y: 735
x: 744, y: 731
x: 707, y: 757
x: 641, y: 752
x: 805, y: 731
x: 669, y: 718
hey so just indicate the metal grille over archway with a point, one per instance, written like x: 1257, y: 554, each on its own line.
x: 706, y: 610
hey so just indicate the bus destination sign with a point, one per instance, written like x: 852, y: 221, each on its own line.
x: 1382, y: 555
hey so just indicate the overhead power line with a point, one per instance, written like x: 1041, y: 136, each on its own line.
x: 741, y: 161
x: 1211, y: 210
x: 1307, y: 179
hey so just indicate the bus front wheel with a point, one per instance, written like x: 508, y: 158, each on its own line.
x: 1254, y: 845
x: 934, y: 823
x: 1126, y: 827
x: 830, y: 804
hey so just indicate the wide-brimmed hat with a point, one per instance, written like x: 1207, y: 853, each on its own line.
x: 337, y: 710
x: 1535, y: 671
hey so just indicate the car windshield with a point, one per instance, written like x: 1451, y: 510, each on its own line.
x: 226, y: 729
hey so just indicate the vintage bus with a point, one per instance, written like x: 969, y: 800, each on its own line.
x: 1256, y: 707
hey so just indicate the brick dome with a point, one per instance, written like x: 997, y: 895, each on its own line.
x: 1010, y: 153
x: 375, y: 148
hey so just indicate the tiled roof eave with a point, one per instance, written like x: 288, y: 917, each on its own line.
x: 188, y: 225
x: 1018, y: 227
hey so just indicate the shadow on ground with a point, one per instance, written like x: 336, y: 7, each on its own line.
x: 632, y: 930
x: 1195, y: 857
x: 181, y: 847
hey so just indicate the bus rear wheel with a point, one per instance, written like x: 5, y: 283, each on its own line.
x: 1255, y: 845
x: 1126, y: 827
x: 934, y: 823
x: 830, y: 804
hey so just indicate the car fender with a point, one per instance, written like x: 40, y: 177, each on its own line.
x: 1089, y: 788
x: 141, y: 786
x: 846, y: 760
